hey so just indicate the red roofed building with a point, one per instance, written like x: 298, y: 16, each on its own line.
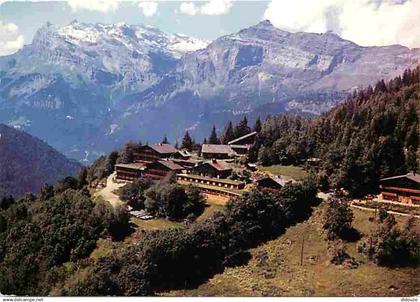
x: 155, y: 152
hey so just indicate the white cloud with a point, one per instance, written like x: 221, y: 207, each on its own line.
x: 188, y: 8
x: 11, y: 40
x: 149, y: 7
x: 210, y: 8
x: 366, y: 22
x: 103, y: 6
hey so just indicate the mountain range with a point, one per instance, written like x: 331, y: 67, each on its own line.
x: 88, y: 88
x: 27, y: 163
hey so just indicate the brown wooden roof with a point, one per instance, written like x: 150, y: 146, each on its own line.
x: 134, y: 166
x: 217, y: 149
x: 171, y: 165
x: 163, y: 148
x: 412, y: 176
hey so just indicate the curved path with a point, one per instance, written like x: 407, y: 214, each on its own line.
x: 107, y: 193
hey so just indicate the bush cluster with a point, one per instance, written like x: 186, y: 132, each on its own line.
x: 38, y: 234
x: 389, y: 245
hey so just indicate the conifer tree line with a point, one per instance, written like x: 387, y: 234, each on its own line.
x: 231, y: 132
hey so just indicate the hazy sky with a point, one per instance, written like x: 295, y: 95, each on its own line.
x: 366, y: 22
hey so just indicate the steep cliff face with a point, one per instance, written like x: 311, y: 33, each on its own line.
x: 86, y: 88
x: 26, y: 163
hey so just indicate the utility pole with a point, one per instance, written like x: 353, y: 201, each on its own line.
x: 301, y: 250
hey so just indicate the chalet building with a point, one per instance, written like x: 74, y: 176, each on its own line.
x: 269, y: 183
x: 129, y: 172
x: 241, y: 149
x: 402, y: 188
x: 159, y: 169
x: 247, y: 139
x: 212, y: 169
x: 210, y: 151
x: 186, y: 163
x: 182, y: 154
x: 155, y: 152
x: 242, y: 144
x: 214, y: 186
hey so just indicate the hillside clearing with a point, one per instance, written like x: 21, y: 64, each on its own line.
x: 275, y: 269
x: 295, y: 172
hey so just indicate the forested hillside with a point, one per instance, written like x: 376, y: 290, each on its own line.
x: 374, y: 134
x: 44, y: 238
x: 26, y: 163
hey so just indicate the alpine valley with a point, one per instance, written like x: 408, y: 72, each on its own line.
x: 88, y: 88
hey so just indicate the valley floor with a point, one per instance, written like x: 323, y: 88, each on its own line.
x: 275, y: 269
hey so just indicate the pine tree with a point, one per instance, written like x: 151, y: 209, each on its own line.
x: 242, y: 128
x: 257, y: 126
x: 411, y: 160
x: 228, y: 134
x: 213, y: 139
x: 187, y: 142
x: 165, y: 140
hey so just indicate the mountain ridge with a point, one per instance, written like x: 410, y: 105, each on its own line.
x: 27, y: 163
x: 97, y: 86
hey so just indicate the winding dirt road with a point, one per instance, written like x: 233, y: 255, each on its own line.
x: 108, y: 194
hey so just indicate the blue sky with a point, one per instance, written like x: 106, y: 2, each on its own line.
x: 29, y: 16
x: 366, y: 22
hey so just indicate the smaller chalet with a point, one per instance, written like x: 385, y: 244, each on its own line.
x: 182, y: 154
x: 211, y: 151
x: 129, y: 172
x: 401, y: 188
x: 186, y: 163
x: 155, y: 152
x: 272, y: 183
x: 159, y: 169
x: 212, y: 169
x: 213, y: 186
x: 241, y: 145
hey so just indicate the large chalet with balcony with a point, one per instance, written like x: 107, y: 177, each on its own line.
x: 210, y: 176
x: 402, y: 188
x: 159, y: 169
x: 155, y: 152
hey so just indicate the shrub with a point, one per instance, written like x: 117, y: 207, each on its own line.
x: 171, y: 200
x: 338, y: 218
x: 133, y: 193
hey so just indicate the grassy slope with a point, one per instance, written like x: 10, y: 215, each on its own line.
x: 280, y: 274
x: 295, y: 172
